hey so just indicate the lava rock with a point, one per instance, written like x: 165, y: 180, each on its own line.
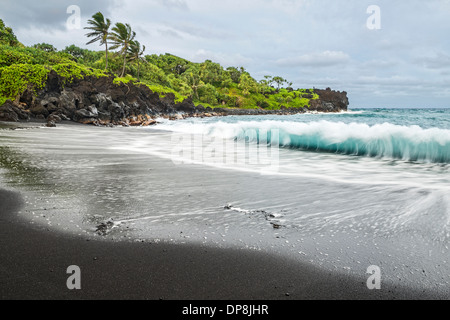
x: 51, y: 124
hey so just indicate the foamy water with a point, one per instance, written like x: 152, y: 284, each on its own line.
x: 341, y: 192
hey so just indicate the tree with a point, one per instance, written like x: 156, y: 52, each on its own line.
x: 247, y: 84
x: 75, y: 51
x: 269, y: 80
x: 7, y: 35
x: 279, y: 81
x: 122, y: 37
x: 263, y: 86
x: 211, y: 72
x: 192, y: 78
x: 208, y: 94
x: 169, y: 63
x: 135, y: 53
x: 100, y: 32
x: 227, y: 82
x: 234, y: 73
x: 45, y: 47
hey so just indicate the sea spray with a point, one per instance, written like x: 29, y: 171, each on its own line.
x: 386, y: 140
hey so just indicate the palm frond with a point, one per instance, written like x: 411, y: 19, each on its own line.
x: 99, y: 28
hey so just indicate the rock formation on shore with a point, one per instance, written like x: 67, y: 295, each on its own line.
x: 100, y: 101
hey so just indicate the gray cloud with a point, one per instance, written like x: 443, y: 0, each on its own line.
x: 165, y: 32
x: 174, y: 4
x: 27, y: 14
x: 438, y: 61
x: 322, y: 59
x: 401, y: 81
x: 224, y: 59
x: 317, y: 43
x: 199, y: 31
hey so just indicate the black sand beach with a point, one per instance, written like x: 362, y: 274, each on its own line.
x: 35, y: 257
x: 34, y: 264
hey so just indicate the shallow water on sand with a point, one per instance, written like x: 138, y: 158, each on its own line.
x: 337, y: 212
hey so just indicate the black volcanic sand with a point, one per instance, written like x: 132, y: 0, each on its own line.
x: 34, y: 260
x: 34, y: 263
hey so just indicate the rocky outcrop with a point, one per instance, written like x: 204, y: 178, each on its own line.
x: 330, y: 101
x: 101, y: 102
x: 13, y: 112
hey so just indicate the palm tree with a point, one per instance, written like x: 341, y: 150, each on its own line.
x: 135, y: 53
x: 100, y: 31
x: 122, y: 37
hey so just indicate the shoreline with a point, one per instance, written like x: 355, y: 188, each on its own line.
x: 35, y: 256
x: 219, y: 113
x: 34, y: 264
x: 100, y: 101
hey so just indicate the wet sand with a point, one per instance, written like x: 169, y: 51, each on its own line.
x: 34, y: 257
x: 34, y: 264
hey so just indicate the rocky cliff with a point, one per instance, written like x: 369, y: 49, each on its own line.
x: 100, y: 101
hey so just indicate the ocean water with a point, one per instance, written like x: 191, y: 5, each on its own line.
x: 345, y: 190
x: 385, y: 145
x: 339, y: 191
x: 414, y: 135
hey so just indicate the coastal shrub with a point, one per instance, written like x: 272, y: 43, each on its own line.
x: 208, y: 94
x: 299, y: 103
x: 207, y: 83
x: 16, y: 78
x: 169, y: 63
x: 162, y: 91
x: 71, y: 71
x: 7, y: 36
x: 127, y: 79
x: 179, y: 85
x: 211, y: 73
x: 29, y: 55
x: 59, y: 58
x: 76, y: 52
x: 152, y: 74
x: 247, y: 84
x: 10, y: 56
x: 36, y: 56
x: 45, y: 47
x: 232, y: 102
x: 234, y: 74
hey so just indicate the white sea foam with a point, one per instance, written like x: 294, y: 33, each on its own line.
x: 409, y: 143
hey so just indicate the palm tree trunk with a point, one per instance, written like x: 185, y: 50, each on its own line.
x: 106, y: 54
x: 139, y: 71
x: 124, y: 64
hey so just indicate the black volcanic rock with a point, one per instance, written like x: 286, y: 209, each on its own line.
x: 99, y: 101
x: 330, y: 101
x: 13, y: 113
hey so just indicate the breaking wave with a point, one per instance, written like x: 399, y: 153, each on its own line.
x: 409, y: 143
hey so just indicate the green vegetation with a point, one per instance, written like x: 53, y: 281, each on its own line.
x: 135, y: 53
x: 16, y: 78
x: 122, y: 37
x: 99, y: 27
x: 7, y: 36
x: 45, y: 47
x: 71, y: 71
x: 207, y: 83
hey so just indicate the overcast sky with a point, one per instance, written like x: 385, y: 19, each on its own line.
x: 313, y: 43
